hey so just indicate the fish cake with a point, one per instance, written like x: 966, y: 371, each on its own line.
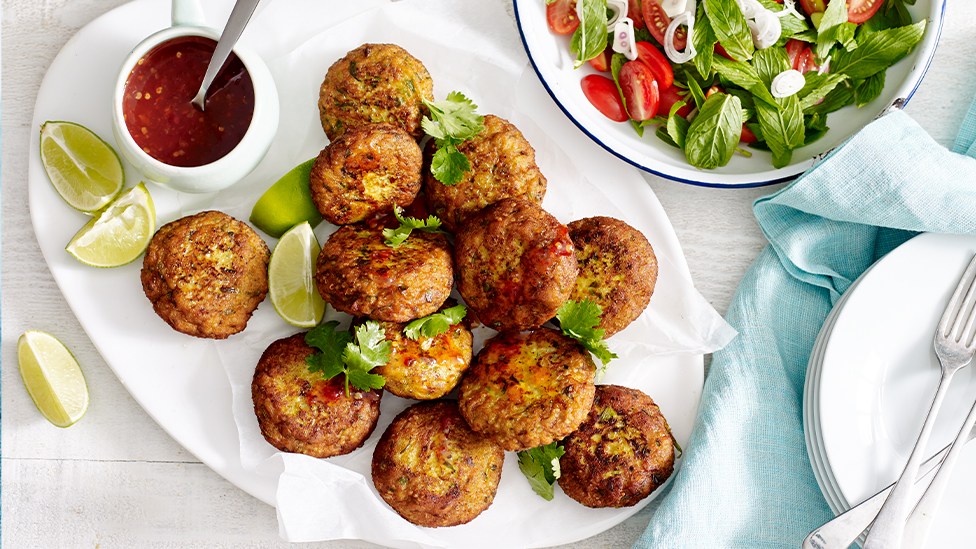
x: 528, y: 389
x: 301, y: 412
x: 621, y: 453
x: 205, y: 274
x: 375, y: 83
x: 515, y: 264
x: 433, y: 469
x: 617, y: 269
x: 502, y: 166
x: 358, y: 274
x: 426, y: 368
x: 365, y: 172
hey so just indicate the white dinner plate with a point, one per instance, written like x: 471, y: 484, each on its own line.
x: 179, y: 380
x: 879, y: 375
x: 553, y: 61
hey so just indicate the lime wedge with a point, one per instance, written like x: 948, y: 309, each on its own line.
x: 119, y: 234
x: 85, y: 170
x: 290, y: 277
x: 287, y: 203
x: 53, y: 378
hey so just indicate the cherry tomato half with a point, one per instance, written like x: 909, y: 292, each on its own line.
x: 634, y: 12
x: 747, y: 136
x: 721, y: 51
x: 859, y: 11
x: 602, y: 62
x: 669, y: 97
x: 639, y: 89
x: 804, y: 61
x: 561, y: 16
x: 793, y: 49
x: 657, y: 62
x: 657, y: 22
x: 602, y: 93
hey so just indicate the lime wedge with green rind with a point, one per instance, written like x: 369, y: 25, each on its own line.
x: 291, y: 283
x: 119, y: 234
x: 287, y: 203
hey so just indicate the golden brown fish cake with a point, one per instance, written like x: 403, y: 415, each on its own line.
x: 502, y: 166
x: 365, y: 172
x: 621, y: 453
x: 426, y: 368
x: 300, y: 412
x: 528, y: 389
x: 375, y: 83
x: 433, y: 469
x: 617, y: 269
x: 205, y: 274
x: 515, y: 264
x: 358, y: 274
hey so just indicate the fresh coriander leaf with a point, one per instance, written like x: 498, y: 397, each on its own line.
x: 877, y: 51
x: 456, y: 117
x: 435, y: 324
x: 703, y: 40
x: 396, y: 237
x: 590, y: 38
x: 817, y: 86
x: 580, y: 320
x: 835, y: 16
x: 730, y: 28
x: 448, y: 164
x: 714, y: 133
x: 869, y: 89
x: 541, y: 466
x: 331, y: 345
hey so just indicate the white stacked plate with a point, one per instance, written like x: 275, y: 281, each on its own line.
x: 873, y: 373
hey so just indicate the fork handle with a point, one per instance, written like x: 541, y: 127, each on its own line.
x: 889, y: 528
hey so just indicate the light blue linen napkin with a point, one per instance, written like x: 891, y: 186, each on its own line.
x: 746, y: 481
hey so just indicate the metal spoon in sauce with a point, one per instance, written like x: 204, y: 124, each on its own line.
x: 238, y: 19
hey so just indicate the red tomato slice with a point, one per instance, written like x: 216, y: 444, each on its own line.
x: 602, y: 61
x: 804, y: 62
x: 714, y: 90
x: 602, y: 93
x: 669, y: 97
x: 640, y: 90
x: 657, y: 62
x: 561, y: 16
x: 813, y: 6
x: 721, y: 51
x: 747, y: 136
x: 793, y: 49
x: 634, y: 12
x: 859, y: 11
x: 657, y: 22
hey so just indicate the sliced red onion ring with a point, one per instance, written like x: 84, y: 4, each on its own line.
x: 686, y: 18
x: 624, y: 40
x: 674, y: 7
x: 787, y: 83
x: 766, y: 29
x: 750, y: 8
x: 618, y: 7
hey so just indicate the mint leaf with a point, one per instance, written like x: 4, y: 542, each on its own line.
x: 714, y: 133
x: 834, y: 17
x: 745, y: 76
x: 435, y: 324
x: 590, y: 38
x: 838, y: 98
x: 703, y: 39
x: 869, y: 89
x: 452, y: 122
x: 817, y: 86
x: 394, y: 238
x: 782, y: 128
x: 541, y: 466
x: 730, y: 28
x: 580, y: 320
x: 877, y: 51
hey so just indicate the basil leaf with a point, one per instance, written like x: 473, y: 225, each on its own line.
x: 877, y: 51
x: 714, y: 133
x: 782, y: 127
x: 745, y: 76
x: 590, y: 38
x: 696, y: 93
x: 835, y: 16
x: 869, y: 89
x: 730, y: 28
x: 817, y: 87
x: 703, y: 41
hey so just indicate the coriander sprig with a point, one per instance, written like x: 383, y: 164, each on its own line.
x: 351, y: 353
x: 452, y: 121
x: 580, y: 320
x: 541, y: 466
x: 435, y: 324
x: 395, y: 237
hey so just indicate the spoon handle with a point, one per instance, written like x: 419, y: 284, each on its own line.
x: 238, y: 19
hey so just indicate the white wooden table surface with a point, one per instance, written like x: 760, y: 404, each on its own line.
x: 115, y: 479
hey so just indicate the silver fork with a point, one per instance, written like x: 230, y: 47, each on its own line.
x: 954, y: 346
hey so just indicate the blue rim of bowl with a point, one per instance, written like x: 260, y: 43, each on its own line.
x: 525, y: 45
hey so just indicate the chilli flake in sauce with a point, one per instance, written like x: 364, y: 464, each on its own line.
x: 162, y: 120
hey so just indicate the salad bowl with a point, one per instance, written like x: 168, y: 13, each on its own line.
x: 553, y: 62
